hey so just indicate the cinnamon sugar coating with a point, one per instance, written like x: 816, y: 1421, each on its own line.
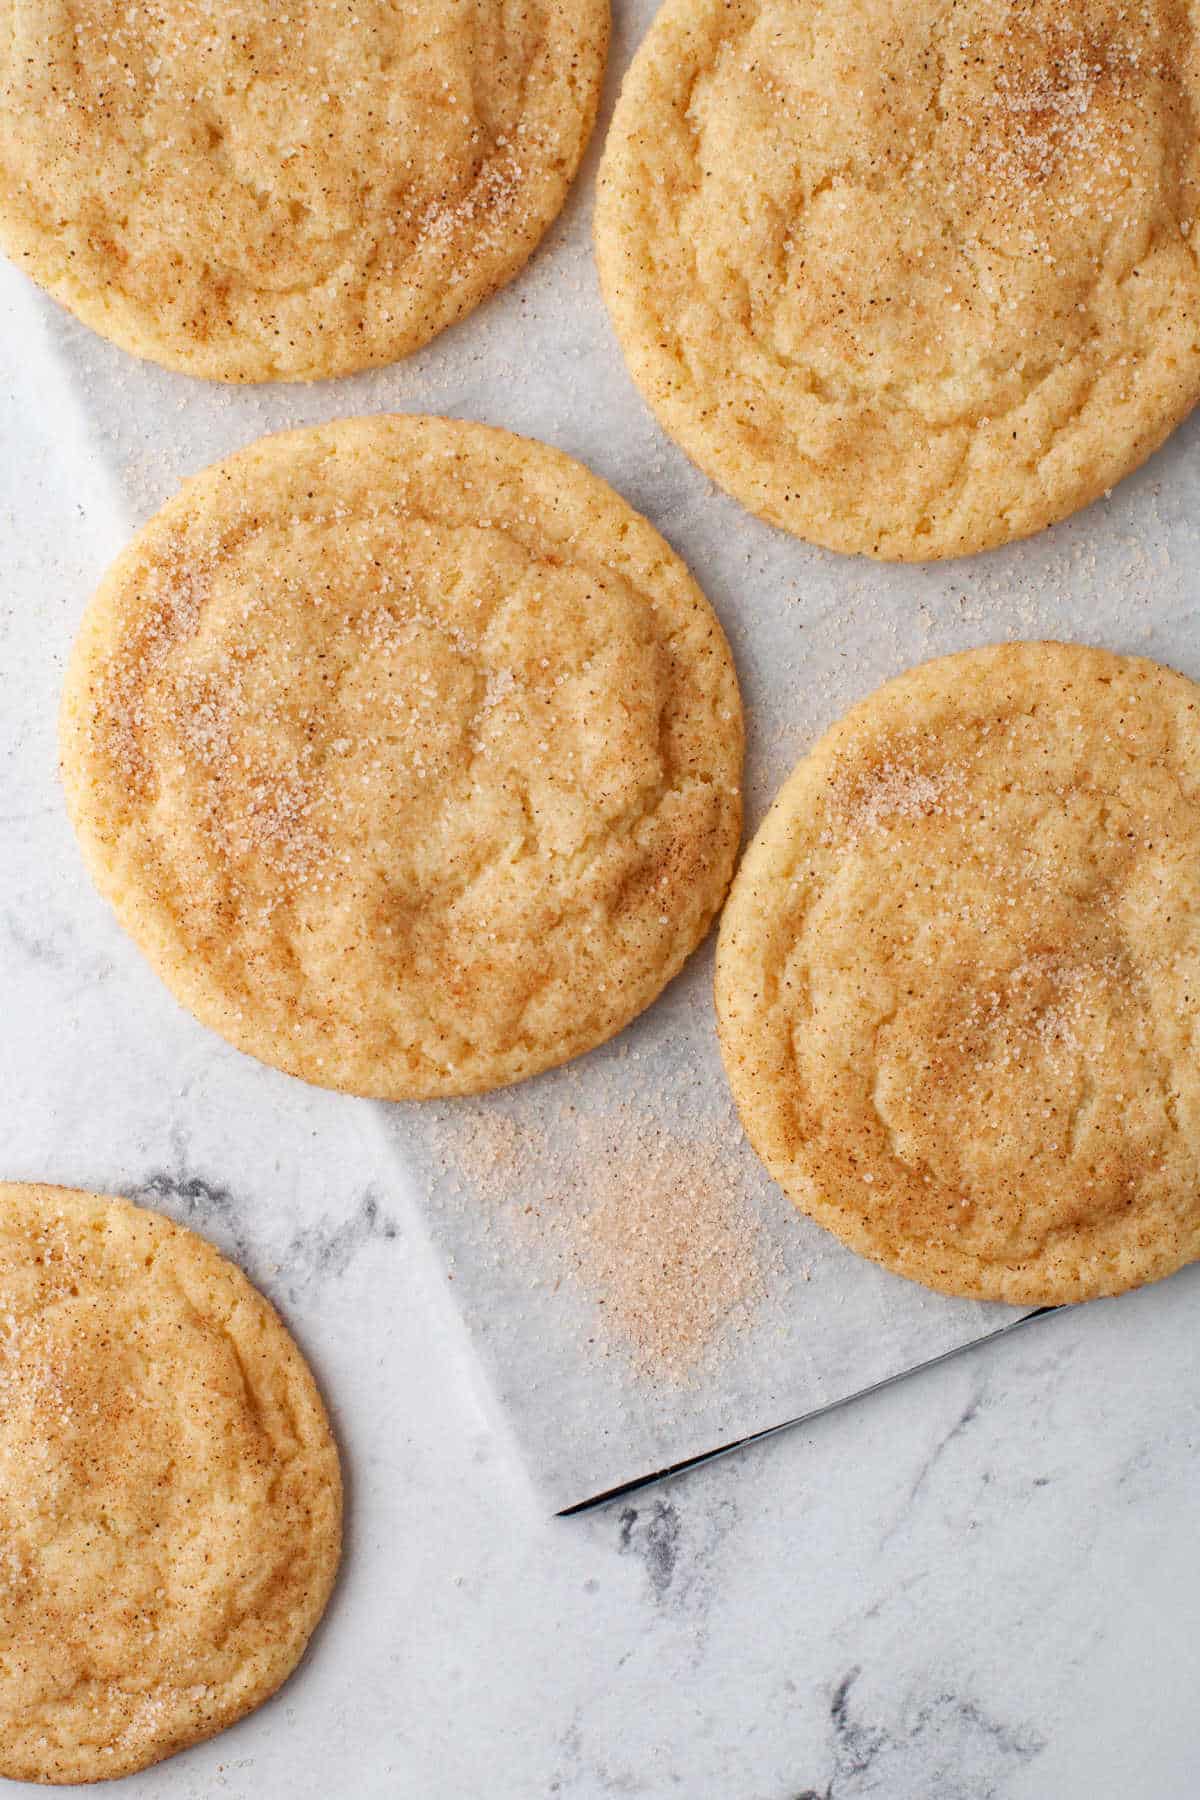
x: 958, y: 978
x: 170, y: 1495
x: 909, y: 281
x: 256, y: 193
x: 407, y: 752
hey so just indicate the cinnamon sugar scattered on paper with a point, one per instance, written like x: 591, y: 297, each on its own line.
x: 653, y: 1226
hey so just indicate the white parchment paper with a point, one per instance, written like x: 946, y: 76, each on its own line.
x: 94, y: 441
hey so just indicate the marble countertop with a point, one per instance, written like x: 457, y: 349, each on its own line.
x: 978, y: 1585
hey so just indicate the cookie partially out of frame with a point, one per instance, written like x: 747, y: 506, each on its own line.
x: 170, y: 1496
x: 909, y: 281
x: 258, y: 193
x: 958, y: 977
x: 408, y: 753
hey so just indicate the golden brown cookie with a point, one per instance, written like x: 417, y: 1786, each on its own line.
x: 257, y: 194
x: 408, y: 753
x: 170, y: 1497
x: 958, y: 978
x: 911, y: 281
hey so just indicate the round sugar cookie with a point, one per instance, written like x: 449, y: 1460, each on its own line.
x: 170, y: 1496
x: 958, y: 978
x: 257, y: 194
x: 408, y: 753
x: 909, y: 282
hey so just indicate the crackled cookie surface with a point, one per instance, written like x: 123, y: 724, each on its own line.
x: 170, y: 1497
x: 909, y: 281
x: 253, y: 193
x: 958, y: 977
x: 408, y: 753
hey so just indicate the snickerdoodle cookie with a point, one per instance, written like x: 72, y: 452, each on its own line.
x: 910, y: 281
x: 408, y: 753
x: 170, y: 1497
x: 958, y: 978
x: 254, y: 193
